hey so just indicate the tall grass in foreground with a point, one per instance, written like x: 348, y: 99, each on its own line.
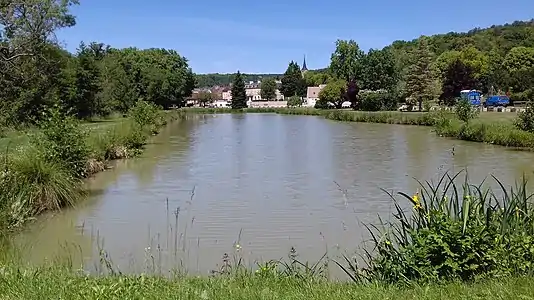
x: 31, y: 184
x: 453, y: 232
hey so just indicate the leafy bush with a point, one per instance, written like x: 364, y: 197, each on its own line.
x: 522, y: 97
x: 371, y: 101
x: 62, y: 141
x: 145, y: 114
x: 294, y: 101
x: 465, y: 111
x: 322, y: 104
x: 454, y: 232
x: 375, y: 101
x: 525, y: 119
x: 120, y: 141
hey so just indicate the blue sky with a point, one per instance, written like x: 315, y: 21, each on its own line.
x: 263, y: 36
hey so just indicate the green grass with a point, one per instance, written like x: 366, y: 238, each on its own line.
x: 17, y: 138
x: 57, y: 284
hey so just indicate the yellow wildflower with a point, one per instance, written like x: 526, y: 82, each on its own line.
x: 416, y: 201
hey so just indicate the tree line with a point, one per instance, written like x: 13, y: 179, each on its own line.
x: 495, y: 60
x: 97, y: 80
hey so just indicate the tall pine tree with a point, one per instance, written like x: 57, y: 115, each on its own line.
x: 239, y: 95
x: 421, y: 82
x: 292, y: 82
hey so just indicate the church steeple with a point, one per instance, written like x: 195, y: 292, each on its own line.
x: 304, y: 67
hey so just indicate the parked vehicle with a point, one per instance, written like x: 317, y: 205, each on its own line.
x: 497, y: 101
x: 472, y: 95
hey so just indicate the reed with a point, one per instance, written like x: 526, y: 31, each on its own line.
x: 31, y: 184
x: 452, y: 231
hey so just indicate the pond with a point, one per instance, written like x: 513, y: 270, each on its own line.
x: 253, y: 186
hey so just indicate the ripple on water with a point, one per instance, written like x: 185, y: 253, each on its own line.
x: 280, y: 181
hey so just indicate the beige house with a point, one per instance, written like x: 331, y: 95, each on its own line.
x: 254, y: 94
x: 312, y: 95
x: 227, y: 95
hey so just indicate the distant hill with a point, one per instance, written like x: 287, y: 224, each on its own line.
x: 500, y: 38
x: 497, y: 40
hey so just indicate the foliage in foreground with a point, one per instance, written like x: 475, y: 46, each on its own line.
x: 58, y: 284
x: 454, y: 232
x: 30, y: 184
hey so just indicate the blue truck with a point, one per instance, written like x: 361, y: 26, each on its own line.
x: 473, y: 96
x: 497, y: 101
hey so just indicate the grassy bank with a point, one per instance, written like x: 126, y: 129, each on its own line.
x: 57, y: 284
x: 44, y: 170
x: 491, y: 127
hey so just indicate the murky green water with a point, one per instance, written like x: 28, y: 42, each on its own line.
x: 267, y: 182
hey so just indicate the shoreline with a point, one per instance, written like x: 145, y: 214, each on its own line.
x: 31, y: 184
x: 490, y: 131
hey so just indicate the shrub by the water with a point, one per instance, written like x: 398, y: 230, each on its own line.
x: 525, y: 119
x: 454, y: 231
x: 465, y: 111
x: 62, y: 141
x: 146, y: 114
x: 30, y: 183
x: 46, y: 173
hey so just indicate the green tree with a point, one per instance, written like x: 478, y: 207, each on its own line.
x: 345, y: 62
x: 465, y: 69
x: 378, y: 70
x: 519, y: 58
x: 465, y: 111
x: 268, y: 89
x: 316, y: 78
x: 87, y: 84
x: 294, y: 101
x: 334, y: 93
x: 31, y: 63
x: 239, y: 95
x: 292, y: 82
x: 519, y: 63
x: 205, y: 98
x: 421, y: 80
x: 160, y: 76
x: 458, y: 76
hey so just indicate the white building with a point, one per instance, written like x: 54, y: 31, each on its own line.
x: 254, y: 94
x: 227, y: 95
x: 312, y: 95
x: 221, y: 103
